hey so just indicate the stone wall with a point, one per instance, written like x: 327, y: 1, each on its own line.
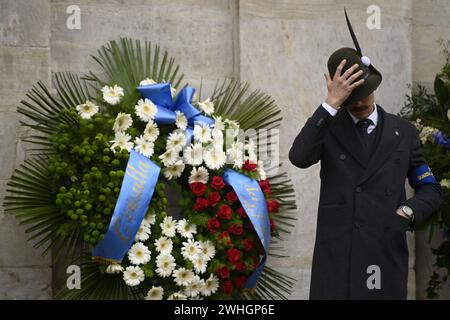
x: 278, y: 46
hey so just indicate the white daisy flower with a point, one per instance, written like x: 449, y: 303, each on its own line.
x: 202, y: 133
x: 200, y: 264
x: 164, y: 245
x: 87, y: 110
x: 151, y: 131
x: 218, y: 123
x: 143, y: 232
x: 191, y: 249
x: 174, y: 171
x: 233, y: 128
x: 122, y: 140
x: 183, y: 276
x: 112, y: 95
x: 177, y: 296
x: 139, y: 254
x: 143, y: 146
x: 208, y: 250
x: 193, y: 155
x: 194, y: 288
x: 146, y: 110
x: 147, y: 82
x: 211, y: 285
x: 217, y: 137
x: 176, y: 141
x: 165, y: 264
x: 214, y: 158
x: 123, y: 122
x: 150, y: 218
x: 133, y: 276
x: 155, y: 293
x: 168, y: 227
x: 445, y: 183
x: 169, y: 157
x: 199, y: 174
x: 186, y: 229
x: 181, y: 120
x: 261, y: 172
x: 114, y: 268
x: 207, y: 106
x: 448, y: 114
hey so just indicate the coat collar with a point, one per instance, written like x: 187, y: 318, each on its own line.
x: 345, y: 131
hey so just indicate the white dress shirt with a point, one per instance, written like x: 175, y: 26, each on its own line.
x: 373, y: 116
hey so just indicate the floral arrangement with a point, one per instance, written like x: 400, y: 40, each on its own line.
x: 204, y: 242
x: 430, y: 113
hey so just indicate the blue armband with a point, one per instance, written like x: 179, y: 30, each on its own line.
x: 421, y: 175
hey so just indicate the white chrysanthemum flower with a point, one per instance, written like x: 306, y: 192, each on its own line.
x: 214, y: 158
x: 177, y: 296
x: 87, y: 110
x: 176, y: 141
x: 194, y: 288
x: 261, y: 172
x: 168, y: 227
x: 199, y: 174
x: 165, y: 264
x: 112, y: 95
x: 448, y: 114
x: 174, y: 171
x: 191, y: 249
x: 217, y: 137
x: 186, y: 229
x: 183, y: 276
x: 207, y: 106
x: 427, y: 133
x: 143, y: 146
x: 169, y: 157
x: 233, y: 124
x: 123, y: 122
x: 155, y: 293
x: 150, y: 218
x: 114, y: 268
x: 122, y: 140
x: 208, y: 250
x: 151, y: 131
x: 133, y: 276
x: 202, y: 133
x: 211, y: 285
x: 146, y: 110
x: 200, y: 264
x: 218, y: 123
x: 147, y: 82
x: 181, y: 120
x: 139, y: 254
x: 143, y: 232
x: 445, y: 183
x: 193, y: 155
x: 164, y: 245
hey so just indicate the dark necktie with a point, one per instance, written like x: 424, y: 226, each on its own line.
x: 362, y: 126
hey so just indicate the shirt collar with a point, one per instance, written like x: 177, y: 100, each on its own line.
x: 373, y: 116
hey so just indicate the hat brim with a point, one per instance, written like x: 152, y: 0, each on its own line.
x: 371, y: 83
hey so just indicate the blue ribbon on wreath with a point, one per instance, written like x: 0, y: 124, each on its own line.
x: 254, y: 203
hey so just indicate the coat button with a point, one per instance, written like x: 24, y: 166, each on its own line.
x: 358, y: 189
x: 342, y: 156
x: 319, y: 123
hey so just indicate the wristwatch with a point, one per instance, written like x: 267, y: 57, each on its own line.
x: 408, y: 212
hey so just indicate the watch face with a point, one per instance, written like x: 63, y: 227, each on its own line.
x: 407, y: 210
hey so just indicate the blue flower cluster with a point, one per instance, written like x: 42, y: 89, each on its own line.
x: 442, y: 139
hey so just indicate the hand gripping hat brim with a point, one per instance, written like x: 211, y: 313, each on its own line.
x: 372, y: 77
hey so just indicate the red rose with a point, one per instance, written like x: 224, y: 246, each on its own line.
x: 200, y: 204
x: 240, y: 281
x: 227, y: 287
x: 236, y: 229
x: 249, y: 166
x: 248, y: 244
x: 240, y: 266
x: 217, y: 183
x: 255, y: 262
x: 224, y: 212
x: 231, y: 197
x: 265, y: 186
x: 197, y: 188
x: 233, y: 255
x: 214, y: 198
x: 225, y: 236
x: 213, y: 224
x: 272, y: 205
x: 223, y: 272
x: 241, y: 211
x: 272, y: 225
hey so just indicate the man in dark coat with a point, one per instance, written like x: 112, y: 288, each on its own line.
x: 366, y: 154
